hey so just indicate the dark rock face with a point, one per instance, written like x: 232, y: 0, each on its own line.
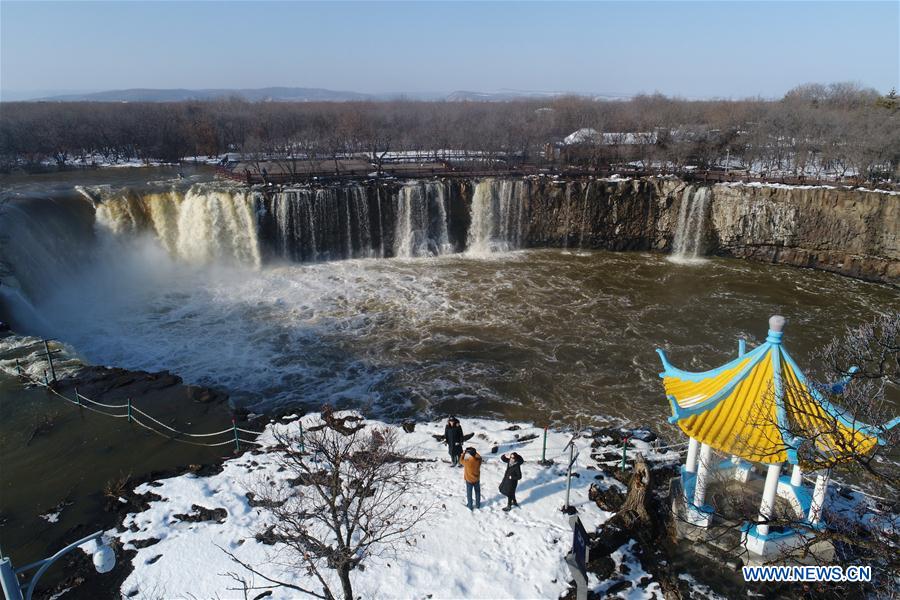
x: 598, y: 214
x: 848, y: 231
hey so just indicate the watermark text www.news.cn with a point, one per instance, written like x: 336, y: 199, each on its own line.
x: 807, y: 573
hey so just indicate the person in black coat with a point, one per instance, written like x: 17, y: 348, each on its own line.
x: 511, y: 479
x: 453, y: 435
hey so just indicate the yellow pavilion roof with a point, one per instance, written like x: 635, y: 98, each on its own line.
x: 761, y: 408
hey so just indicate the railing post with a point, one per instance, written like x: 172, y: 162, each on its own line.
x: 129, y: 410
x: 544, y: 448
x: 50, y: 360
x: 237, y: 443
x: 569, y: 472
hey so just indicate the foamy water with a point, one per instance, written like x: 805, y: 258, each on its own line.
x: 541, y: 335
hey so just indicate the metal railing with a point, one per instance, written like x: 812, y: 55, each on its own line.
x: 139, y: 417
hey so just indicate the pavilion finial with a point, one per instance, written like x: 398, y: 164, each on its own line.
x: 776, y: 323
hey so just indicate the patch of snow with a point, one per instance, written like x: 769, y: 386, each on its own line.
x: 51, y: 517
x: 784, y: 186
x: 627, y: 562
x: 699, y: 587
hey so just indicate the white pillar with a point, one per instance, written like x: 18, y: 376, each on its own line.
x: 702, y: 475
x: 767, y: 506
x: 690, y: 464
x: 818, y: 497
x: 796, y: 476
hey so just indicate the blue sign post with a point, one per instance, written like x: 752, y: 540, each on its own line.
x: 578, y: 557
x: 580, y: 545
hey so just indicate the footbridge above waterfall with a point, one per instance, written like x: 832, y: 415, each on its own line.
x: 289, y: 170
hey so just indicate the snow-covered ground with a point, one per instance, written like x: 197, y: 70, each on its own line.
x: 109, y: 162
x: 487, y: 553
x: 807, y: 187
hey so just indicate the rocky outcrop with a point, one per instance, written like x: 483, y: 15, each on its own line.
x: 852, y: 232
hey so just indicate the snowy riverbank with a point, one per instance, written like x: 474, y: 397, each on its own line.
x: 483, y: 554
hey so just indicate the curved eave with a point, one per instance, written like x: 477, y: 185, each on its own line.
x: 669, y: 370
x: 851, y: 426
x: 741, y: 367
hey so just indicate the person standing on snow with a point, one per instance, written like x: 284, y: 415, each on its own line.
x: 453, y: 434
x: 471, y: 462
x: 511, y: 479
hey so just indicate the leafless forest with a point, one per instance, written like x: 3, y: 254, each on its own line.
x: 836, y: 130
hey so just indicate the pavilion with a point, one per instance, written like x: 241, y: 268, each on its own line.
x: 759, y: 409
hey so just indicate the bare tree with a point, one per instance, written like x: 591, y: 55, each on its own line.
x: 345, y: 498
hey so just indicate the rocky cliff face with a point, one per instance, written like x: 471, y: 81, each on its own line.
x: 629, y: 214
x: 852, y: 232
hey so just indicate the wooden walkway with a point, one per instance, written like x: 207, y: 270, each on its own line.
x: 360, y: 171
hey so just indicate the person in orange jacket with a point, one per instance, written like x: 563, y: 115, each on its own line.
x: 471, y: 462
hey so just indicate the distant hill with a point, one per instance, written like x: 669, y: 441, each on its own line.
x: 507, y: 95
x: 500, y: 96
x: 295, y: 94
x: 272, y: 94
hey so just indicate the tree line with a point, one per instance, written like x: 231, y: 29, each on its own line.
x: 816, y: 130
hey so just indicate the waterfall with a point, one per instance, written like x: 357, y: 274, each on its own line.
x: 568, y: 216
x: 44, y: 242
x: 498, y: 217
x: 690, y: 229
x: 421, y: 227
x: 202, y: 225
x: 214, y: 223
x: 584, y: 214
x: 101, y: 229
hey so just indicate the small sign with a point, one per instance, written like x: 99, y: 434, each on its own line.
x: 580, y: 545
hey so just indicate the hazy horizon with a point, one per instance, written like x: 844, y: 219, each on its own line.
x: 685, y: 49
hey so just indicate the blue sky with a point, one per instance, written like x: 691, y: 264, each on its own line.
x: 692, y: 49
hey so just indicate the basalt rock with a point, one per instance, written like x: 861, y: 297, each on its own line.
x: 201, y: 513
x: 849, y: 231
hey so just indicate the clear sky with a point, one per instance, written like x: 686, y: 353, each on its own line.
x: 692, y: 49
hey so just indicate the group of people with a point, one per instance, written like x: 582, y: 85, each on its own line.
x: 470, y: 461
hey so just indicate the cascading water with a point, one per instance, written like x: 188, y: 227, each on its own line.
x: 498, y: 216
x: 568, y: 217
x: 229, y: 225
x: 304, y: 225
x: 44, y: 242
x: 690, y: 229
x: 421, y: 226
x: 200, y: 226
x: 584, y: 214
